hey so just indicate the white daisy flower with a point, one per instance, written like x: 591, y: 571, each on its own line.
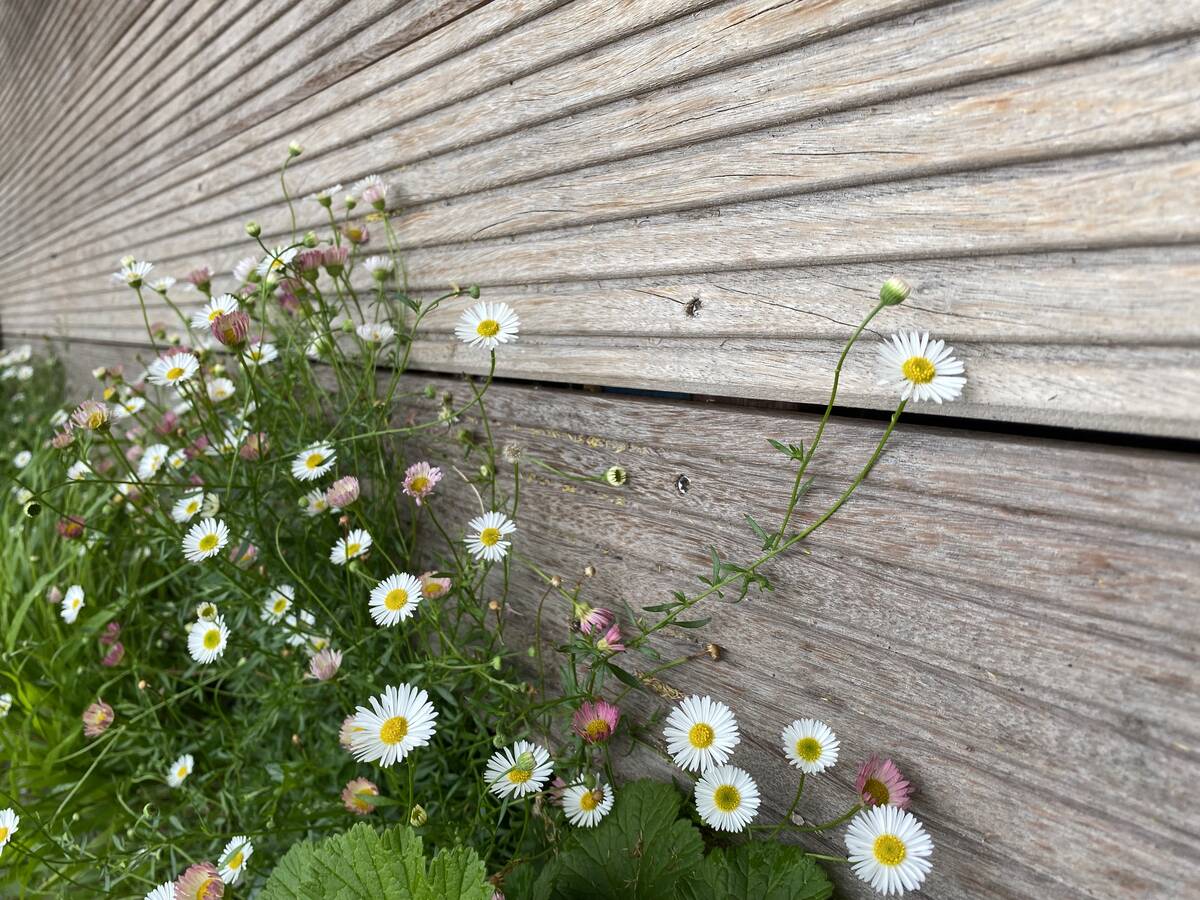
x: 205, y: 539
x: 352, y: 546
x: 518, y: 770
x: 376, y: 332
x: 243, y: 268
x: 380, y: 267
x: 488, y: 325
x: 278, y: 602
x: 889, y: 849
x: 312, y: 463
x: 173, y: 369
x: 727, y: 798
x: 220, y: 389
x: 130, y: 406
x: 398, y: 720
x: 152, y: 460
x: 72, y: 603
x: 585, y: 806
x: 133, y: 272
x: 488, y: 540
x: 22, y: 459
x: 810, y: 746
x: 221, y: 305
x: 920, y: 369
x: 180, y: 769
x: 371, y: 189
x: 165, y: 891
x: 207, y: 640
x: 234, y: 857
x: 395, y: 599
x: 79, y: 471
x: 59, y: 418
x: 9, y: 821
x: 701, y: 732
x: 277, y: 260
x: 206, y: 611
x: 315, y: 503
x: 261, y: 352
x: 299, y: 627
x: 177, y: 460
x: 162, y: 285
x: 325, y: 197
x: 6, y: 702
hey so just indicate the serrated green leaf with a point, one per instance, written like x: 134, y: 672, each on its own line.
x: 290, y: 873
x: 761, y: 870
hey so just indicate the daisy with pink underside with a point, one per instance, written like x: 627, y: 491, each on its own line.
x: 881, y: 784
x: 595, y: 721
x: 420, y: 479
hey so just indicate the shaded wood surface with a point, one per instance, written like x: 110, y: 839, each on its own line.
x: 1013, y: 620
x: 604, y: 163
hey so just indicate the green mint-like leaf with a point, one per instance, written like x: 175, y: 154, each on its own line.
x: 760, y: 870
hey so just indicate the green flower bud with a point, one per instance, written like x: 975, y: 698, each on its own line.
x: 525, y: 762
x: 430, y: 391
x: 616, y: 476
x: 496, y: 663
x: 310, y: 239
x: 473, y: 291
x: 253, y: 229
x: 894, y: 292
x: 418, y: 816
x: 294, y: 149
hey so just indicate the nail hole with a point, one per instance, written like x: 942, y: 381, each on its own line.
x: 682, y: 484
x: 693, y: 307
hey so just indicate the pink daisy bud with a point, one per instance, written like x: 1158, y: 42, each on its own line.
x: 97, y: 718
x: 611, y: 642
x: 71, y: 527
x: 63, y: 439
x: 420, y: 479
x: 168, y: 423
x: 596, y: 721
x: 200, y: 882
x: 197, y: 447
x: 255, y: 447
x: 114, y: 656
x: 881, y: 784
x: 376, y: 194
x: 230, y: 328
x: 243, y: 553
x: 354, y: 796
x: 346, y: 732
x: 310, y: 260
x: 342, y: 492
x: 111, y: 633
x: 335, y: 259
x: 200, y: 279
x: 433, y: 587
x: 54, y: 595
x: 594, y: 621
x: 324, y: 665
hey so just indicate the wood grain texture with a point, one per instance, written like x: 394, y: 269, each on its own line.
x: 1013, y: 620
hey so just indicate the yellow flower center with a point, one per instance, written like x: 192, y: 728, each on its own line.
x: 192, y: 507
x: 878, y: 791
x: 212, y: 638
x: 918, y: 370
x: 174, y: 372
x: 396, y: 599
x: 394, y: 730
x: 3, y: 833
x: 726, y: 798
x: 596, y: 728
x: 519, y: 776
x: 418, y: 484
x: 212, y: 316
x: 589, y: 800
x: 808, y: 749
x: 701, y: 736
x: 488, y: 328
x: 108, y: 393
x: 352, y: 549
x: 281, y: 604
x: 181, y: 772
x: 889, y: 850
x: 208, y: 542
x: 489, y: 537
x: 95, y: 420
x: 235, y: 861
x: 203, y: 889
x: 314, y: 460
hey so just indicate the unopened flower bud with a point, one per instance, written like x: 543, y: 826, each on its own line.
x: 556, y: 581
x: 32, y: 509
x: 525, y: 762
x: 294, y: 149
x: 616, y: 476
x: 253, y: 229
x: 418, y: 816
x: 310, y: 239
x: 713, y: 650
x: 473, y: 291
x: 231, y: 328
x: 894, y: 292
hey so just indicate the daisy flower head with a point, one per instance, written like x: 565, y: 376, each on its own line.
x: 173, y: 369
x: 920, y: 369
x: 72, y: 603
x: 200, y: 882
x: 22, y: 459
x: 9, y: 821
x: 162, y: 285
x: 92, y: 415
x: 727, y: 798
x: 433, y: 587
x: 324, y: 664
x: 487, y: 325
x: 200, y: 278
x: 585, y: 806
x: 220, y: 389
x: 420, y: 479
x: 376, y: 332
x: 395, y: 599
x: 352, y: 546
x: 187, y: 506
x: 79, y: 471
x: 96, y: 719
x: 234, y: 857
x: 610, y: 641
x: 380, y: 267
x: 325, y: 197
x: 207, y: 640
x: 129, y: 407
x: 518, y: 770
x: 701, y: 733
x: 880, y: 783
x: 222, y: 305
x: 313, y: 462
x: 180, y: 770
x: 165, y: 891
x: 277, y: 261
x: 810, y: 746
x: 152, y: 460
x: 488, y: 542
x: 889, y: 849
x: 594, y: 620
x: 245, y: 268
x: 315, y: 502
x: 133, y: 272
x: 355, y: 794
x: 372, y: 190
x: 595, y: 721
x: 206, y: 611
x: 342, y: 492
x: 398, y: 720
x: 278, y: 602
x: 261, y: 352
x: 205, y: 539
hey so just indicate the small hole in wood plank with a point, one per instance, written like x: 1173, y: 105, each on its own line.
x: 693, y: 307
x: 682, y: 483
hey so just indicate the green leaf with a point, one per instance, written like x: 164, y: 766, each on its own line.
x: 762, y: 871
x: 290, y: 873
x: 694, y: 623
x: 624, y: 676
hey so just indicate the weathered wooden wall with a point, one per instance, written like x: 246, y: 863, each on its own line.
x: 1012, y: 617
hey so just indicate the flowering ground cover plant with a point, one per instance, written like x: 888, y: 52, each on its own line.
x: 241, y: 614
